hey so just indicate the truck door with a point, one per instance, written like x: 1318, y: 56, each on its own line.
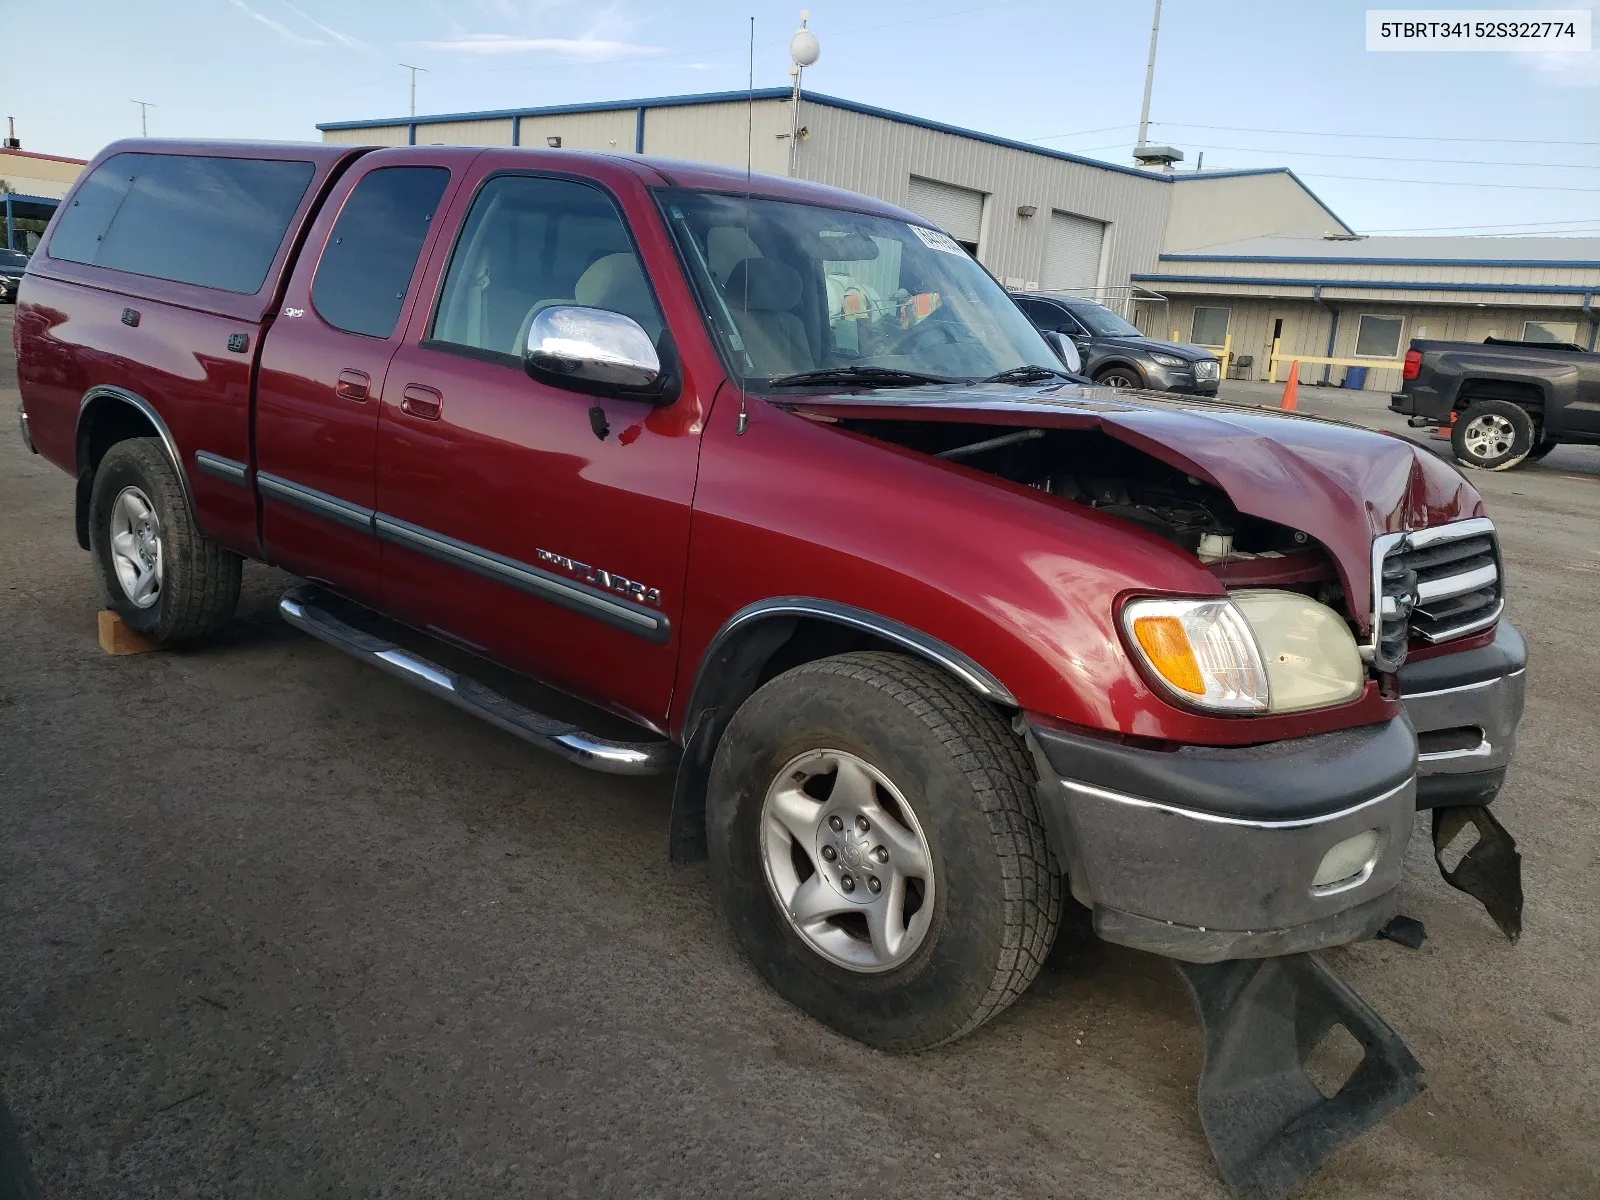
x: 324, y: 362
x: 546, y: 529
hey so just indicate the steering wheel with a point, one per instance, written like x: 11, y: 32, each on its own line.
x: 925, y: 331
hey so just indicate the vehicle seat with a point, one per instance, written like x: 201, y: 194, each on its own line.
x: 761, y: 294
x: 615, y: 282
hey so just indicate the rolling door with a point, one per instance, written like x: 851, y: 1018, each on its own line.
x: 1072, y: 255
x: 956, y: 210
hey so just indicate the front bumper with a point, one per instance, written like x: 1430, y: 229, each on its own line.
x: 1181, y: 380
x: 1209, y: 853
x: 1465, y: 708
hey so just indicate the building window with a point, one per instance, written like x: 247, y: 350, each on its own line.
x: 1210, y: 327
x: 1378, y: 337
x: 1550, y: 331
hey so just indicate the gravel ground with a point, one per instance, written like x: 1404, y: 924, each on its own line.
x: 276, y: 925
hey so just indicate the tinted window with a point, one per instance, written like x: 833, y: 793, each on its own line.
x: 533, y: 243
x: 367, y: 264
x: 216, y: 222
x: 1102, y: 322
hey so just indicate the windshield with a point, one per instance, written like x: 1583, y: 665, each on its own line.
x: 1102, y: 322
x: 792, y: 289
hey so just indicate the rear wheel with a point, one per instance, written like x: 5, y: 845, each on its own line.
x: 157, y: 572
x: 1493, y: 435
x: 877, y: 845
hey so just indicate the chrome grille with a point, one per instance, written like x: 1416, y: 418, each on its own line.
x: 1434, y: 584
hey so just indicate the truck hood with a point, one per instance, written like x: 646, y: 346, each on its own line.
x: 1153, y: 346
x: 1338, y: 483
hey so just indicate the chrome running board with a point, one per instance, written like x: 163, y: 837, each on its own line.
x: 299, y: 607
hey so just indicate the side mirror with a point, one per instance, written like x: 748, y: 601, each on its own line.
x: 1065, y: 350
x: 595, y: 351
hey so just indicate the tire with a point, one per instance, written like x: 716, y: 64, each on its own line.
x: 137, y: 496
x: 1493, y: 435
x: 1119, y: 377
x: 986, y: 912
x: 1542, y: 449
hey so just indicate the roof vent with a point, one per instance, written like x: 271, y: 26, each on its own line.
x: 1157, y: 156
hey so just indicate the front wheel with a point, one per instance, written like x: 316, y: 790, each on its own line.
x: 877, y: 845
x: 1493, y: 435
x: 1119, y: 377
x: 157, y: 571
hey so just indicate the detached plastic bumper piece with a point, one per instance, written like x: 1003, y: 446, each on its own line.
x: 1269, y: 1126
x: 1490, y: 872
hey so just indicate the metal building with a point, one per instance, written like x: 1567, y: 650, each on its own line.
x: 1361, y: 300
x: 1038, y: 219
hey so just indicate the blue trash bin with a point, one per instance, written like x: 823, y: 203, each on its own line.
x: 1355, y: 377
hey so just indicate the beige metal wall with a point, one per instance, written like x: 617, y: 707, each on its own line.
x: 29, y: 176
x: 378, y: 135
x: 1306, y: 323
x: 1212, y: 212
x: 1400, y: 271
x: 608, y: 131
x: 496, y: 132
x: 864, y: 153
x: 719, y: 133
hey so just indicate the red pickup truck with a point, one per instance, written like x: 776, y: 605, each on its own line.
x: 932, y: 632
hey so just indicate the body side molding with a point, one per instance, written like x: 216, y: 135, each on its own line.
x: 226, y: 469
x: 323, y: 505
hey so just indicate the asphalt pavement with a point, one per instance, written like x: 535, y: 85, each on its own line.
x: 275, y: 924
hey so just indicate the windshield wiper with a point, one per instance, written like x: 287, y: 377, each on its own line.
x: 1027, y: 373
x: 875, y: 376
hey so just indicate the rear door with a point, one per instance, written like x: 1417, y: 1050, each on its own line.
x: 545, y: 529
x: 325, y: 363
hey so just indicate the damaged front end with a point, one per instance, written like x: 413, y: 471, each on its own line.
x: 1240, y: 862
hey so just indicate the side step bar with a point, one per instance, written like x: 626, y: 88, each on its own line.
x: 299, y: 607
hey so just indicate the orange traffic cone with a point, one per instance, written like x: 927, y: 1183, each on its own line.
x: 1291, y: 389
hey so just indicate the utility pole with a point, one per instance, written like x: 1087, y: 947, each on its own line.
x: 1149, y: 79
x: 144, y: 113
x: 414, y: 71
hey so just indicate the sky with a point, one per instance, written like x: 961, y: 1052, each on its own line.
x: 1493, y: 143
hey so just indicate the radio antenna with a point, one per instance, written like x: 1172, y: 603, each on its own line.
x: 749, y: 160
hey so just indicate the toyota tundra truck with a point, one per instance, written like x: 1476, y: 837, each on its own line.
x: 932, y: 634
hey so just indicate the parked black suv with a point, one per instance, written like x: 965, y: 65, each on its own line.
x: 1116, y: 354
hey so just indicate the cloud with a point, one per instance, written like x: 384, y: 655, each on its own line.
x: 276, y: 26
x: 353, y: 43
x: 582, y: 49
x: 1568, y: 68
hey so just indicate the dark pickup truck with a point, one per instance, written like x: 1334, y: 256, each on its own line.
x: 1505, y: 402
x: 931, y: 634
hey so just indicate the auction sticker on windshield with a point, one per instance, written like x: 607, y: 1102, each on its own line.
x: 934, y: 240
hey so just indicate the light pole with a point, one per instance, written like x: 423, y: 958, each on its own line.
x: 414, y: 71
x: 803, y: 51
x: 1149, y: 79
x: 144, y: 112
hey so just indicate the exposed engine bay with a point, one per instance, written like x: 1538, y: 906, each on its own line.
x: 1090, y: 468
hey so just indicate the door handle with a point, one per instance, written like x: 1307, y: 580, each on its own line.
x: 420, y: 401
x: 353, y: 385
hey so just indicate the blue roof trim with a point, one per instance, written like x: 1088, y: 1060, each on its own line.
x: 1390, y: 285
x: 777, y: 94
x: 563, y: 110
x: 1381, y: 262
x: 18, y: 196
x: 1183, y: 176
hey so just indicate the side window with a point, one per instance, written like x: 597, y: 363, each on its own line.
x: 1037, y: 312
x: 530, y: 244
x: 1063, y: 320
x: 215, y: 222
x: 372, y: 252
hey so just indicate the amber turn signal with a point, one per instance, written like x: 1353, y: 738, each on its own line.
x: 1166, y: 648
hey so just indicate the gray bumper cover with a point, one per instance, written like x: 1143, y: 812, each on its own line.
x: 1477, y: 694
x: 1209, y: 853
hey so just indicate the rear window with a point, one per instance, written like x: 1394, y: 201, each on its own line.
x: 214, y: 222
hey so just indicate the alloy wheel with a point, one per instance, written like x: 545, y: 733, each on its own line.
x: 846, y: 861
x: 136, y: 547
x: 1488, y: 436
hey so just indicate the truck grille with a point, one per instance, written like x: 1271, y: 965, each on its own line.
x: 1433, y: 584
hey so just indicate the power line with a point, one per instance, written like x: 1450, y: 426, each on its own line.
x: 1406, y: 158
x: 1541, y: 187
x: 1402, y: 137
x: 1051, y: 137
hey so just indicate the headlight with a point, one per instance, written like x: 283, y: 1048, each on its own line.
x: 1202, y: 650
x: 1260, y: 651
x: 1166, y: 360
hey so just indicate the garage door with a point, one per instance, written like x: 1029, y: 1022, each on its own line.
x: 956, y: 210
x: 1072, y: 255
